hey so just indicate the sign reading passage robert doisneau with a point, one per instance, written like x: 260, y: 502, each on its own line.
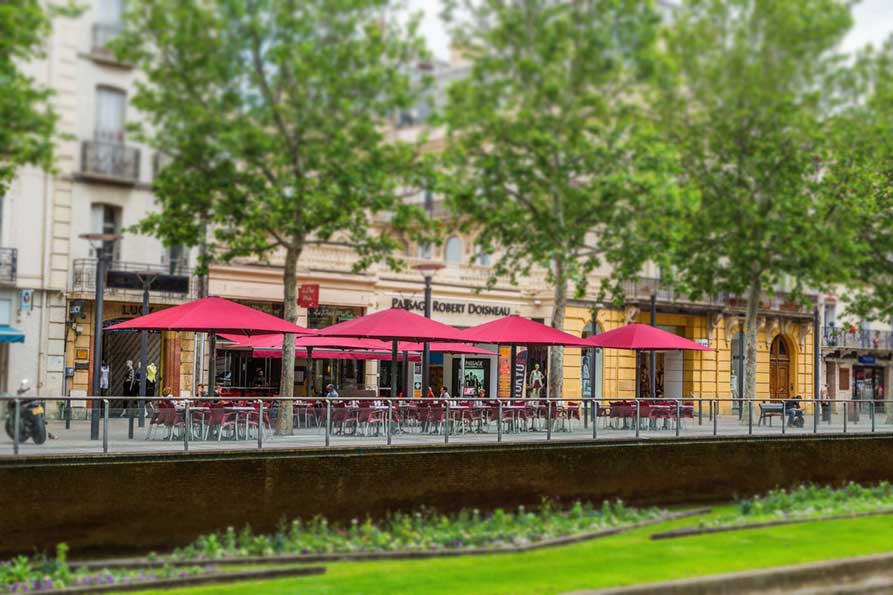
x: 452, y: 307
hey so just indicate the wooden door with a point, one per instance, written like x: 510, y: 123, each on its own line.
x: 779, y: 369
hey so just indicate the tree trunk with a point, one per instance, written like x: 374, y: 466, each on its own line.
x: 750, y: 339
x: 556, y: 359
x: 285, y: 421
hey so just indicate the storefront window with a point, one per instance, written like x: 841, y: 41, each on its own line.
x: 588, y: 375
x: 869, y: 385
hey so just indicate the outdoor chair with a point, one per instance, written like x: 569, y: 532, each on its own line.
x: 770, y: 410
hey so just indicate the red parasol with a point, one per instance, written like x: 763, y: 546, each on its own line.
x: 393, y: 324
x: 643, y: 337
x: 209, y: 315
x: 516, y: 330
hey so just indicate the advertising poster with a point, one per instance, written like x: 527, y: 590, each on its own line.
x: 503, y: 384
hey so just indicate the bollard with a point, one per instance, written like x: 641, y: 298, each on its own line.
x: 678, y: 415
x: 594, y: 420
x: 637, y: 418
x: 187, y: 428
x: 499, y: 421
x: 548, y: 419
x: 260, y: 424
x: 388, y: 424
x: 749, y: 417
x: 328, y: 420
x: 105, y: 425
x: 17, y: 420
x: 714, y: 408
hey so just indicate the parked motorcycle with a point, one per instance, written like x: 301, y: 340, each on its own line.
x: 32, y: 417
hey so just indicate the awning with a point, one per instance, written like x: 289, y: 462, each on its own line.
x: 11, y: 335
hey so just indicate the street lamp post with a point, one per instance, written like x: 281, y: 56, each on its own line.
x: 427, y: 269
x: 99, y: 242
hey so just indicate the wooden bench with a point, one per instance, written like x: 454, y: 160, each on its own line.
x: 770, y: 410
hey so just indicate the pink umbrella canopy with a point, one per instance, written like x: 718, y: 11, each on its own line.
x: 454, y: 348
x: 393, y: 324
x: 342, y: 355
x: 274, y: 341
x: 517, y: 330
x: 211, y: 314
x: 643, y: 337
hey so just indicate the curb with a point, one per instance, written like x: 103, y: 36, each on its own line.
x: 137, y: 563
x: 692, y: 531
x: 192, y: 581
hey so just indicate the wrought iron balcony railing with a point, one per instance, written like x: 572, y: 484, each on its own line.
x: 640, y: 290
x: 84, y: 276
x: 853, y: 337
x: 9, y: 260
x: 103, y: 33
x: 110, y: 160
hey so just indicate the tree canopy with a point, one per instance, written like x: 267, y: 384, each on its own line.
x: 27, y: 121
x: 551, y: 151
x: 273, y: 115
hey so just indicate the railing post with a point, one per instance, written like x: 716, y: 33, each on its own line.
x: 17, y: 420
x: 700, y: 412
x: 447, y: 422
x: 637, y: 418
x: 714, y: 407
x: 499, y: 421
x: 105, y: 425
x: 844, y: 416
x: 387, y: 425
x: 815, y: 416
x: 750, y: 417
x: 68, y: 414
x: 678, y: 415
x: 187, y: 427
x: 594, y: 420
x: 548, y: 419
x: 328, y: 419
x: 871, y: 408
x: 260, y: 424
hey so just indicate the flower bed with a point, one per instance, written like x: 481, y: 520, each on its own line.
x: 25, y: 574
x: 802, y: 504
x: 420, y: 531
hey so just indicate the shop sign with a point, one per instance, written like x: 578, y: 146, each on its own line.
x: 308, y: 296
x: 866, y: 359
x: 26, y: 299
x: 452, y: 307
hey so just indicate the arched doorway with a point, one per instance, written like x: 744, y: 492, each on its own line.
x: 780, y: 369
x: 588, y: 376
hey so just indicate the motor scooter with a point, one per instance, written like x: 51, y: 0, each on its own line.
x: 32, y: 417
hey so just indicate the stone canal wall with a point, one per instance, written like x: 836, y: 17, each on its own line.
x: 135, y: 503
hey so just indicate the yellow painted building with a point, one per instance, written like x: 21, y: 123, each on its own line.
x: 784, y: 353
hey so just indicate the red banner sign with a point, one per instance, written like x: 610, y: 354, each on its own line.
x: 308, y: 296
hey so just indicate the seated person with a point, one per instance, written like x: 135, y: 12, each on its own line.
x: 793, y: 411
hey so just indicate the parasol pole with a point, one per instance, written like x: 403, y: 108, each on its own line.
x: 212, y: 362
x: 653, y: 362
x: 462, y: 376
x: 394, y: 368
x: 309, y: 376
x: 407, y: 376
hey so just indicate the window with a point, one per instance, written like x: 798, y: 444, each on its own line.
x: 482, y: 258
x: 107, y: 219
x: 110, y: 103
x: 453, y: 252
x: 110, y: 11
x: 177, y: 259
x: 424, y: 250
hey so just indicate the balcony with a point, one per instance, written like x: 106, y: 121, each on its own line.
x: 9, y: 260
x: 110, y: 162
x: 84, y: 279
x: 851, y: 337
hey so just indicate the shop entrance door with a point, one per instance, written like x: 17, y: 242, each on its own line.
x: 779, y: 369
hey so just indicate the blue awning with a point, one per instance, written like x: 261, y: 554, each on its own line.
x: 11, y: 335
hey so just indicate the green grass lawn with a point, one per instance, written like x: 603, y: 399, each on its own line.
x: 613, y: 561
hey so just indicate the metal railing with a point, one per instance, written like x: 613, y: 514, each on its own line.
x: 132, y: 424
x: 84, y: 275
x: 856, y: 338
x: 641, y: 289
x: 110, y: 160
x: 103, y: 33
x: 9, y: 262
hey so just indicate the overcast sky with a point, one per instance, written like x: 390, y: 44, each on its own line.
x: 874, y: 22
